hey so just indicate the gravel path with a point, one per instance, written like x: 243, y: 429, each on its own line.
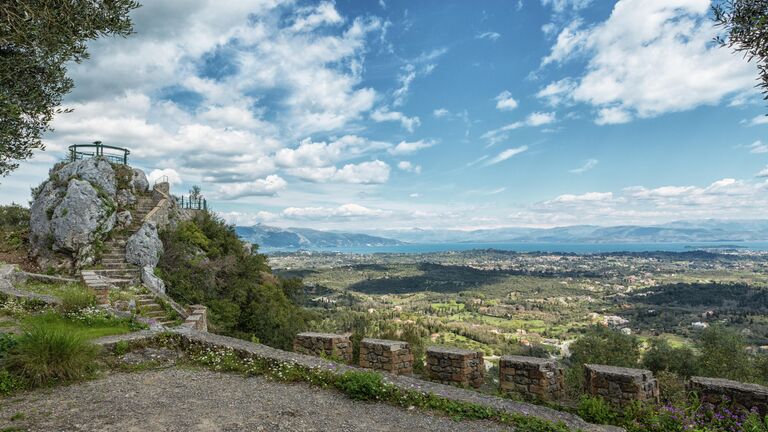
x: 199, y: 400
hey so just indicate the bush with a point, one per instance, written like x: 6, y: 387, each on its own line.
x: 362, y: 385
x: 7, y: 341
x: 75, y: 298
x: 44, y: 356
x: 661, y: 356
x: 596, y: 410
x: 602, y: 345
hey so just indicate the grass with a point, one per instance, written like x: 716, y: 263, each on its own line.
x: 87, y: 331
x: 55, y: 289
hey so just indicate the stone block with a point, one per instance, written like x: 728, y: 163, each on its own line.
x: 532, y: 377
x: 387, y: 355
x: 742, y: 394
x: 621, y: 385
x: 455, y: 366
x: 327, y: 345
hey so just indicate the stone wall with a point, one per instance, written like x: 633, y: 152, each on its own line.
x: 197, y: 318
x: 455, y: 366
x: 387, y: 355
x: 531, y: 376
x: 324, y: 345
x: 745, y: 395
x: 621, y: 385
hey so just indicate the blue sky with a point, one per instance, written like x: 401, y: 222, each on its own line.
x: 388, y: 114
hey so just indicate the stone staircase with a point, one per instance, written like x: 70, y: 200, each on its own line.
x: 148, y: 307
x: 113, y: 262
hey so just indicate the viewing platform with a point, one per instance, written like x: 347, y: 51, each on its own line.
x: 118, y: 155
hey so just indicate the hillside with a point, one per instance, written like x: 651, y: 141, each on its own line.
x: 295, y: 238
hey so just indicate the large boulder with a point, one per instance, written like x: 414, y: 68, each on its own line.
x: 154, y: 283
x: 144, y: 247
x: 80, y: 217
x: 96, y: 171
x: 139, y: 183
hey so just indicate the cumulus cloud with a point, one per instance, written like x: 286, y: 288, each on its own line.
x: 651, y: 58
x: 560, y: 6
x: 268, y: 186
x: 506, y: 154
x: 408, y: 166
x: 758, y: 147
x: 757, y: 120
x: 406, y: 147
x: 374, y: 172
x: 505, y: 101
x: 343, y: 211
x: 169, y: 174
x: 587, y: 197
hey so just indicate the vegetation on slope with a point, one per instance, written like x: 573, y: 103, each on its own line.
x: 205, y: 262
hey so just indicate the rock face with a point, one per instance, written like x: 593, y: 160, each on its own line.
x: 148, y: 278
x: 144, y: 247
x: 74, y: 211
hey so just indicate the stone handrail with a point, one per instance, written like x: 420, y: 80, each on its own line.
x: 7, y: 277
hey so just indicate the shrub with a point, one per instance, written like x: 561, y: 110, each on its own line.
x: 75, y: 298
x: 7, y: 341
x: 8, y: 382
x: 661, y: 356
x: 44, y: 356
x: 602, y: 345
x: 596, y: 410
x: 362, y: 385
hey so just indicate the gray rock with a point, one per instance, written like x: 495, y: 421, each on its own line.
x: 124, y: 218
x: 95, y: 170
x: 144, y: 247
x: 80, y: 218
x: 139, y: 182
x: 159, y: 356
x: 125, y: 198
x: 41, y: 211
x: 154, y: 283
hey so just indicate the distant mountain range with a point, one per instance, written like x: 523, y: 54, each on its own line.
x: 709, y: 230
x: 304, y: 238
x: 698, y: 231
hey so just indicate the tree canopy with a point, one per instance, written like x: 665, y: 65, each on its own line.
x: 746, y: 31
x: 37, y: 40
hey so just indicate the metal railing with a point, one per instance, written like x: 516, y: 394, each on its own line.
x: 192, y: 203
x: 113, y: 154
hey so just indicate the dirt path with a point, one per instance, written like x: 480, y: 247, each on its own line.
x: 199, y: 400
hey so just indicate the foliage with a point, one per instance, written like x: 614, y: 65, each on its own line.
x: 596, y: 410
x: 602, y: 345
x: 724, y: 355
x: 661, y: 356
x: 205, y: 262
x: 45, y: 356
x: 745, y: 23
x: 75, y: 299
x: 14, y: 226
x: 37, y: 40
x: 7, y: 342
x: 362, y: 385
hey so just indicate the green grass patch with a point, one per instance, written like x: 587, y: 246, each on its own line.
x: 86, y: 327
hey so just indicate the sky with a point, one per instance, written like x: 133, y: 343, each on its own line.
x: 368, y: 115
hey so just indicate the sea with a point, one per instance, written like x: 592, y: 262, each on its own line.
x: 577, y: 248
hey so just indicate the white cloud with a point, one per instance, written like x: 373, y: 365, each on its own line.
x: 560, y: 6
x: 506, y: 154
x: 588, y: 165
x: 490, y: 35
x: 319, y: 154
x: 535, y: 119
x: 374, y: 172
x: 441, y: 113
x: 557, y: 92
x: 408, y: 166
x: 505, y: 101
x: 268, y: 186
x: 384, y: 115
x: 405, y: 147
x: 421, y: 66
x: 757, y: 120
x: 587, y: 197
x: 343, y: 211
x: 309, y: 18
x: 649, y: 58
x: 170, y: 174
x: 758, y: 147
x: 763, y: 172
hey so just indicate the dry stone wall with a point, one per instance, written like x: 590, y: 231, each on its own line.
x: 745, y: 395
x: 621, y: 385
x: 387, y: 355
x: 530, y: 376
x: 324, y: 345
x: 455, y: 366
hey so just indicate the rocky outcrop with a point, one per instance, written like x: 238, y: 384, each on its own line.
x: 76, y: 208
x: 144, y: 247
x: 154, y: 283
